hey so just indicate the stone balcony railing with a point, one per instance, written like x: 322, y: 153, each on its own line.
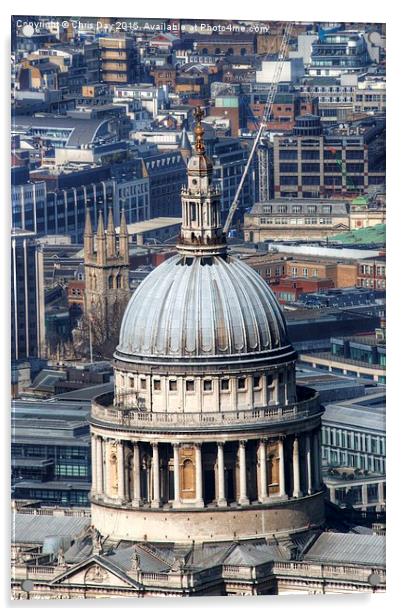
x: 317, y: 570
x: 106, y: 410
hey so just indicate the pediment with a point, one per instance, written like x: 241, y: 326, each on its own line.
x: 95, y: 571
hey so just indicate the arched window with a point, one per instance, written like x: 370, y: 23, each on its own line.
x: 188, y: 476
x: 113, y: 474
x: 110, y: 282
x: 118, y: 281
x: 273, y: 470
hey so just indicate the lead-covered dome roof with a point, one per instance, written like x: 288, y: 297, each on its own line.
x: 200, y: 308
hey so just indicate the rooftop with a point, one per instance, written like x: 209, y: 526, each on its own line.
x: 353, y: 413
x: 28, y: 528
x: 368, y: 235
x: 348, y: 548
x: 151, y: 225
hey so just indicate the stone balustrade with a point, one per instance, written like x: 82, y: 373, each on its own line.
x: 104, y: 409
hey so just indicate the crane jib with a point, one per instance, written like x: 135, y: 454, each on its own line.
x: 266, y: 115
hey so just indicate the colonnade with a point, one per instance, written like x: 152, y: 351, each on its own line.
x: 156, y: 473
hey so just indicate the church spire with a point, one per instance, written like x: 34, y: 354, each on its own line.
x: 111, y: 235
x: 88, y: 235
x: 123, y: 238
x: 185, y: 145
x: 101, y: 241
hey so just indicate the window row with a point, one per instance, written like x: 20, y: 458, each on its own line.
x: 207, y: 384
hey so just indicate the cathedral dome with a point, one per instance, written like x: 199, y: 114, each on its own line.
x: 200, y: 309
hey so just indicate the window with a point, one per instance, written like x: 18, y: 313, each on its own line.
x: 207, y: 385
x: 311, y: 180
x: 157, y: 385
x: 131, y: 381
x: 225, y: 384
x: 256, y: 382
x: 288, y: 154
x: 288, y: 167
x: 190, y: 386
x: 241, y: 383
x: 172, y: 385
x: 143, y: 383
x: 311, y: 167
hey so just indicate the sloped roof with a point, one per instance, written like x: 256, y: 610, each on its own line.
x: 348, y: 548
x: 30, y: 528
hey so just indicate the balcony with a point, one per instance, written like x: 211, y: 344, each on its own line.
x: 118, y: 413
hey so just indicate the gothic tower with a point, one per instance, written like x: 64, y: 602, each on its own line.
x: 106, y: 262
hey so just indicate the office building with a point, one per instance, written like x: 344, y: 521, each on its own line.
x: 27, y: 297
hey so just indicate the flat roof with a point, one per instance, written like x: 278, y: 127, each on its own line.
x: 354, y: 413
x: 151, y: 225
x: 85, y: 394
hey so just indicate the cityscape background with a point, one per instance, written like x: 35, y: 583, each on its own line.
x: 102, y: 127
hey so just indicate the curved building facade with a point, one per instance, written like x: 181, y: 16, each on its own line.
x: 206, y: 436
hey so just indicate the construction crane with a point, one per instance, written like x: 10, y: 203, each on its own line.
x: 267, y: 112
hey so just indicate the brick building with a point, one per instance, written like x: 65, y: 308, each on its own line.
x: 119, y: 60
x: 286, y: 108
x: 371, y: 273
x: 290, y: 289
x: 75, y: 293
x: 271, y: 267
x: 342, y: 273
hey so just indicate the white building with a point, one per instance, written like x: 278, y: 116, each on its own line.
x: 292, y: 71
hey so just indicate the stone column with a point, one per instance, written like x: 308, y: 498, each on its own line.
x: 107, y: 489
x: 221, y: 499
x: 176, y: 475
x: 93, y: 464
x: 262, y: 491
x: 309, y: 469
x: 99, y: 465
x: 317, y: 462
x: 121, y: 491
x: 365, y: 494
x: 296, y: 468
x: 156, y: 499
x: 243, y: 499
x: 136, y: 475
x: 282, y: 486
x: 381, y: 492
x: 198, y: 476
x: 319, y: 438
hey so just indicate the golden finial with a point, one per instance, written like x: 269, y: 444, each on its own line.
x: 199, y: 131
